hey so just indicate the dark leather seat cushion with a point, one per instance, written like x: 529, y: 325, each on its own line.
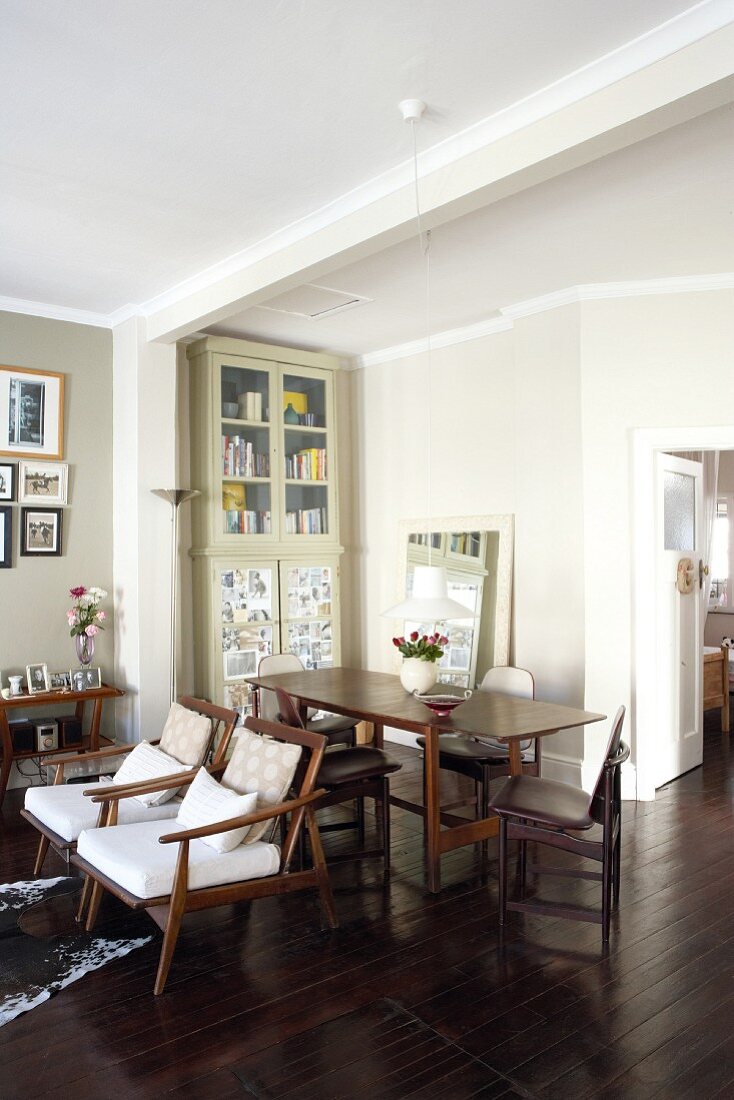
x: 544, y: 801
x: 335, y: 723
x: 351, y: 765
x: 464, y: 748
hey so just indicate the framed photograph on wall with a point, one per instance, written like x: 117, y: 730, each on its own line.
x: 31, y: 413
x: 8, y: 481
x: 36, y: 678
x: 6, y: 537
x: 43, y: 481
x: 40, y: 534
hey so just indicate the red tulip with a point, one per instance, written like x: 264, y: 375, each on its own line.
x: 414, y: 636
x: 443, y: 640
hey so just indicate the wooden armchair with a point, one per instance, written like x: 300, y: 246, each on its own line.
x: 197, y: 877
x: 61, y: 812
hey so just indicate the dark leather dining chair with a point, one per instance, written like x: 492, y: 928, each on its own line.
x: 336, y: 728
x: 486, y: 760
x: 551, y: 813
x: 350, y: 774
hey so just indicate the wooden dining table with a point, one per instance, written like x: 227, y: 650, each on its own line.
x: 381, y: 699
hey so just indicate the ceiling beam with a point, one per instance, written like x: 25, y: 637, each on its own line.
x: 690, y: 81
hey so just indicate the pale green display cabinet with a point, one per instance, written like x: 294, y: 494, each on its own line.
x: 265, y: 530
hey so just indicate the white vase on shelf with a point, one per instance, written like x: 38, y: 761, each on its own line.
x: 418, y: 675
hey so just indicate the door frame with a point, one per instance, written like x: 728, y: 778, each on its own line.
x: 646, y: 442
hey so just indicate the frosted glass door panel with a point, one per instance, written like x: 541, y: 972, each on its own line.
x: 679, y: 511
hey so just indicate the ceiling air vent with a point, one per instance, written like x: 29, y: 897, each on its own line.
x: 314, y: 302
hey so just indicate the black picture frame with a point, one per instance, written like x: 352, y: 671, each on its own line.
x: 8, y: 481
x: 41, y: 543
x: 6, y: 541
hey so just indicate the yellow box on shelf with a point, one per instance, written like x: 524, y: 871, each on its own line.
x: 299, y: 401
x: 233, y: 497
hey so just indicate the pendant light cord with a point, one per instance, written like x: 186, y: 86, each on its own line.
x: 424, y: 241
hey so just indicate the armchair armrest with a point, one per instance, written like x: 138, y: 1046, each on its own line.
x: 115, y: 791
x: 113, y: 750
x: 241, y: 822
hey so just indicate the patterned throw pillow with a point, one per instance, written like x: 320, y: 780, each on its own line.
x: 186, y: 735
x: 262, y: 765
x: 207, y: 801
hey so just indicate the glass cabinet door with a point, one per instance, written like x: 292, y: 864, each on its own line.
x: 306, y: 416
x: 245, y: 461
x: 308, y: 610
x: 247, y: 602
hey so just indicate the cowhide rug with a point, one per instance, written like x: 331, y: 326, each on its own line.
x: 41, y: 949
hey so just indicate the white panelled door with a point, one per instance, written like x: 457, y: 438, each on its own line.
x: 679, y: 517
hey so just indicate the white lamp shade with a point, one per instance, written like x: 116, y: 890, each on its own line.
x: 430, y: 600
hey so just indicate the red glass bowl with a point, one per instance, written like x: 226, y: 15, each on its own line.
x: 441, y: 705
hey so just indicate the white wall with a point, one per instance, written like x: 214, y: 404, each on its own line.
x: 538, y: 421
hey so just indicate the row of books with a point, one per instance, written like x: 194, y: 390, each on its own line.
x: 247, y: 523
x: 240, y: 460
x: 250, y: 406
x: 307, y: 465
x: 307, y: 521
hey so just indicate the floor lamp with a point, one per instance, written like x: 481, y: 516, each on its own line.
x: 175, y: 497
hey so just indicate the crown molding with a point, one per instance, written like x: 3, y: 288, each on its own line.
x: 439, y: 340
x: 585, y: 292
x: 54, y: 313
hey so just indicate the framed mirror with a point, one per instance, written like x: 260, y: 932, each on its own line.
x: 476, y: 552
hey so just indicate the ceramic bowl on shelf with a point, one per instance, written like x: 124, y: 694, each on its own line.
x: 442, y: 703
x: 230, y: 408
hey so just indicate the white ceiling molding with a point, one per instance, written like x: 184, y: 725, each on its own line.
x: 588, y: 292
x: 54, y: 313
x: 548, y: 133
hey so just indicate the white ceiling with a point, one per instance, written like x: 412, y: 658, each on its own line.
x: 144, y: 140
x: 658, y: 209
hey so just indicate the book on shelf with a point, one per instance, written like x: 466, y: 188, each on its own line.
x: 239, y: 459
x: 246, y: 523
x: 250, y: 405
x: 307, y: 521
x: 308, y: 464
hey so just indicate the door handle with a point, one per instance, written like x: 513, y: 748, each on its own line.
x: 703, y: 571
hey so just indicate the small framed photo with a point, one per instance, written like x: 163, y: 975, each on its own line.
x: 43, y: 481
x: 59, y: 681
x: 239, y: 663
x: 31, y: 413
x: 6, y: 536
x: 40, y: 532
x: 37, y: 679
x: 8, y: 481
x: 92, y: 678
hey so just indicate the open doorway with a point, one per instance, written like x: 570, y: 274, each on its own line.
x: 668, y: 692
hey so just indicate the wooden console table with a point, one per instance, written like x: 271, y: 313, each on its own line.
x: 49, y: 700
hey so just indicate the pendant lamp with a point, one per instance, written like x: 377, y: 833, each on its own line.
x: 430, y: 601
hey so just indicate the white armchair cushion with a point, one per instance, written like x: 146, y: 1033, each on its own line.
x: 66, y: 811
x: 265, y: 766
x: 186, y: 735
x: 131, y: 856
x: 147, y: 762
x: 207, y: 801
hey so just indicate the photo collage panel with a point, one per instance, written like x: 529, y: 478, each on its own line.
x: 247, y: 596
x: 312, y: 643
x: 309, y: 592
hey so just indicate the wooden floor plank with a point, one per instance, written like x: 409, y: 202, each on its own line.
x: 417, y: 995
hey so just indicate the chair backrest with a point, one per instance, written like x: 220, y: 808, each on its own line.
x: 305, y: 779
x: 613, y: 747
x: 273, y: 666
x: 287, y: 710
x: 509, y: 681
x: 223, y: 723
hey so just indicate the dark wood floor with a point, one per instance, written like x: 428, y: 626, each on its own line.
x: 416, y: 995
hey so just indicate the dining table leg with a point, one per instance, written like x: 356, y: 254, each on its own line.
x: 432, y: 811
x: 515, y: 757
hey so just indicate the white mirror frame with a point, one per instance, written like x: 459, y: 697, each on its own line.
x: 504, y: 526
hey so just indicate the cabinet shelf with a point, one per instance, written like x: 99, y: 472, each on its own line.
x: 245, y: 423
x: 246, y: 480
x: 305, y: 481
x: 305, y: 428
